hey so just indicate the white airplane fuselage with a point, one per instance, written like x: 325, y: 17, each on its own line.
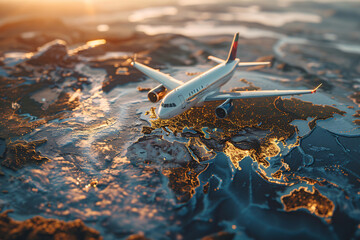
x: 205, y: 87
x: 194, y: 91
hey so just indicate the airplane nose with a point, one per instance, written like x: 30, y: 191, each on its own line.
x: 162, y: 114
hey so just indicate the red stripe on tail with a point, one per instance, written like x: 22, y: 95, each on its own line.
x: 233, y: 49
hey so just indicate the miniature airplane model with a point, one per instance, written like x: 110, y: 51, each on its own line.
x: 177, y: 96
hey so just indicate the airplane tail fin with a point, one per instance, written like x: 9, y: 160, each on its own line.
x: 233, y: 49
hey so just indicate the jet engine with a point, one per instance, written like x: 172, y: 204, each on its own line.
x: 224, y: 109
x: 157, y: 93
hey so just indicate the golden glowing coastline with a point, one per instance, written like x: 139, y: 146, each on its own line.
x: 313, y: 201
x: 267, y: 114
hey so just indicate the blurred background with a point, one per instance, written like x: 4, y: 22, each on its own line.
x: 70, y: 98
x: 75, y: 21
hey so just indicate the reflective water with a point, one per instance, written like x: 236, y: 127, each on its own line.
x: 283, y: 168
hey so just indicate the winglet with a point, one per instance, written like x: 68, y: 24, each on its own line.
x: 133, y: 59
x: 315, y: 89
x: 233, y: 49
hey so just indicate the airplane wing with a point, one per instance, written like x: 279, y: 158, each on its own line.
x: 253, y: 94
x: 240, y: 64
x: 165, y: 79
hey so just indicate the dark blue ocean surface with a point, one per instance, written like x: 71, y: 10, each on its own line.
x: 79, y: 139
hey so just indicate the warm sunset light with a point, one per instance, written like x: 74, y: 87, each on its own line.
x: 179, y: 119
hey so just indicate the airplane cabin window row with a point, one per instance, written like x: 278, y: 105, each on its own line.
x: 195, y: 91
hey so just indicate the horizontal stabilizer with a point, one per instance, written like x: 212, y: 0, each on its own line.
x: 241, y: 64
x: 251, y: 64
x: 215, y: 59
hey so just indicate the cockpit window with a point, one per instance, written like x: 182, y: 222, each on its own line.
x: 166, y: 105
